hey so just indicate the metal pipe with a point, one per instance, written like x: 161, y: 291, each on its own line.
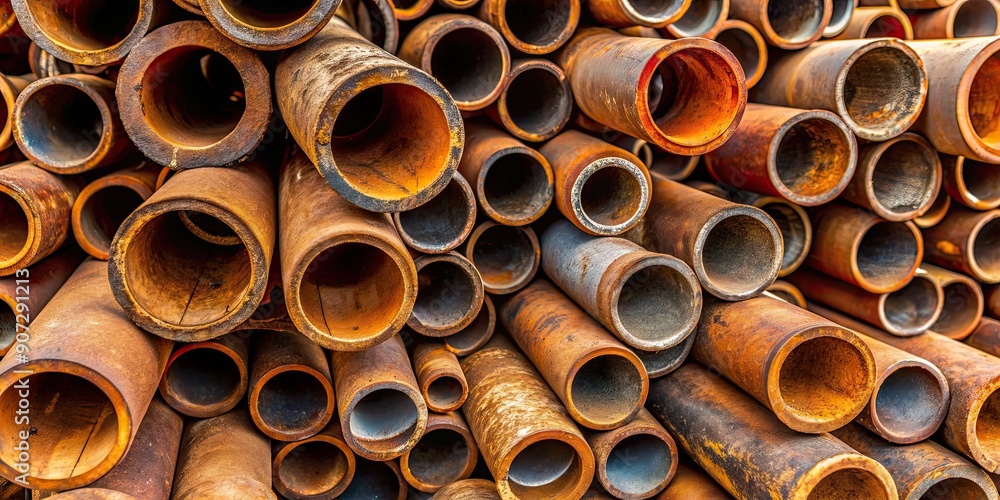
x: 321, y: 466
x: 711, y: 188
x: 602, y: 189
x: 207, y: 379
x: 536, y: 101
x: 513, y: 183
x: 477, y: 334
x: 972, y: 183
x: 375, y: 20
x: 986, y: 337
x: 348, y: 279
x: 382, y: 411
x: 962, y: 19
x: 651, y: 88
x: 702, y: 18
x: 440, y: 378
x: 35, y: 207
x: 636, y: 460
x: 966, y: 241
x: 887, y: 81
x: 660, y: 363
x: 26, y: 293
x: 441, y: 224
x: 533, y: 448
x: 506, y: 257
x: 877, y: 22
x: 530, y: 27
x: 649, y: 301
x: 963, y: 302
x: 625, y: 13
x: 449, y: 296
x: 190, y: 97
x: 93, y: 373
x: 936, y: 212
x: 376, y: 480
x: 860, y: 248
x: 691, y: 482
x: 785, y: 24
x: 411, y: 10
x: 763, y: 458
x: 910, y: 4
x: 105, y: 203
x: 385, y: 135
x: 897, y: 179
x: 10, y: 88
x: 458, y: 4
x: 262, y: 25
x: 446, y: 453
x: 840, y: 17
x: 793, y: 223
x: 468, y: 489
x: 992, y: 293
x: 191, y: 6
x: 746, y: 44
x: 783, y: 290
x: 191, y: 263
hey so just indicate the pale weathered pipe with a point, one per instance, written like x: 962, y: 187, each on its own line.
x: 877, y: 22
x: 321, y: 466
x: 477, y: 334
x: 966, y: 241
x: 26, y: 292
x: 625, y: 13
x: 376, y: 480
x: 785, y: 24
x: 898, y: 179
x: 972, y: 183
x: 105, y: 203
x: 507, y: 257
x: 446, y: 453
x: 536, y: 102
x: 207, y: 379
x: 441, y: 224
x: 702, y: 18
x: 842, y: 11
x: 636, y: 460
x: 263, y: 25
x: 440, y: 377
x: 793, y: 222
x: 962, y: 19
x: 963, y: 302
x: 532, y: 27
x: 35, y: 208
x: 746, y: 44
x: 449, y: 295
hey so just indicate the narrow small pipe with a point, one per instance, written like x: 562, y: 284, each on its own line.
x: 783, y: 290
x: 702, y: 18
x: 636, y: 460
x: 963, y: 302
x: 449, y: 295
x: 376, y: 480
x: 992, y: 293
x: 792, y: 221
x: 411, y: 10
x: 898, y: 179
x: 507, y: 257
x: 468, y: 489
x: 536, y: 102
x: 477, y: 334
x: 531, y: 27
x: 375, y: 20
x: 785, y: 24
x: 746, y: 44
x: 962, y: 19
x: 936, y: 213
x: 441, y: 224
x: 440, y: 377
x: 263, y: 25
x: 191, y: 6
x: 446, y: 453
x: 625, y: 13
x: 972, y: 183
x: 321, y: 466
x: 10, y: 88
x: 638, y: 147
x: 458, y: 4
x: 986, y: 337
x: 966, y: 241
x: 34, y: 207
x: 105, y: 203
x: 877, y: 22
x: 842, y: 11
x: 23, y: 295
x: 691, y: 482
x: 207, y: 379
x: 660, y: 363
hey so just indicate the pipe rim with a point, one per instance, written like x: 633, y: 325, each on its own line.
x: 498, y: 14
x: 758, y: 41
x: 9, y: 96
x: 800, y: 41
x: 415, y: 11
x: 621, y: 418
x: 469, y: 271
x: 751, y: 289
x: 462, y: 346
x: 848, y: 173
x: 900, y: 281
x: 663, y: 362
x: 966, y: 196
x: 99, y: 250
x: 388, y: 452
x: 647, y: 261
x: 285, y: 450
x: 460, y: 236
x: 439, y: 423
x: 907, y: 331
x: 889, y: 430
x: 512, y: 219
x: 845, y: 461
x: 177, y: 402
x: 981, y: 220
x: 314, y: 427
x: 607, y: 450
x: 989, y: 389
x: 839, y: 25
x: 269, y: 37
x: 566, y: 102
x: 33, y: 216
x: 956, y: 470
x: 583, y: 459
x: 708, y: 31
x: 662, y: 18
x: 524, y: 277
x: 636, y: 173
x: 871, y: 161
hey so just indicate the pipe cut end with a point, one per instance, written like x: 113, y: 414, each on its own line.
x: 738, y: 253
x: 441, y: 224
x: 607, y: 390
x: 655, y: 12
x: 100, y: 210
x: 88, y: 33
x: 796, y: 232
x: 978, y: 184
x: 516, y: 186
x: 787, y: 292
x: 975, y: 18
x: 18, y: 228
x: 383, y: 423
x: 911, y: 310
x: 840, y: 17
x: 472, y: 62
x: 936, y: 212
x: 905, y: 178
x: 700, y: 18
x: 204, y: 380
x: 748, y: 46
x: 291, y: 402
x: 891, y: 24
x: 909, y: 403
x: 477, y: 334
x: 985, y: 249
x: 553, y: 467
x: 962, y: 311
x: 638, y: 466
x: 656, y: 303
x: 319, y: 466
x: 441, y: 457
x: 976, y: 486
x: 445, y: 393
x: 265, y: 25
x: 847, y: 475
x: 449, y: 296
x: 887, y: 256
x: 978, y: 119
x: 813, y: 159
x: 793, y: 24
x: 610, y: 196
x: 984, y: 427
x: 660, y: 363
x: 537, y: 101
x: 507, y: 257
x: 881, y: 89
x: 538, y: 26
x: 60, y: 123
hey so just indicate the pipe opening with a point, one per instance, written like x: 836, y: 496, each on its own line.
x: 911, y: 308
x: 785, y: 296
x: 313, y: 468
x: 476, y: 334
x: 699, y: 18
x: 267, y: 13
x: 182, y: 279
x: 986, y: 249
x: 745, y: 48
x: 841, y: 15
x: 984, y: 93
x: 982, y: 182
x: 441, y: 222
x: 504, y: 256
x: 104, y: 211
x: 883, y: 89
x: 606, y: 389
x: 975, y: 18
x: 8, y: 326
x: 383, y: 419
x: 201, y: 101
x: 446, y: 294
x: 544, y: 469
x: 372, y: 480
x: 352, y: 290
x: 738, y: 253
x: 537, y: 22
x: 208, y: 228
x: 204, y: 377
x: 517, y: 186
x: 813, y: 158
x: 397, y: 121
x: 795, y: 21
x: 903, y: 179
x: 936, y: 212
x: 656, y: 9
x: 656, y: 302
x: 961, y: 311
x: 690, y: 78
x: 822, y: 379
x: 908, y: 401
x: 77, y: 430
x: 886, y: 26
x: 955, y: 487
x: 659, y: 363
x: 61, y: 124
x: 468, y: 62
x: 372, y: 22
x: 794, y: 233
x: 987, y: 426
x: 611, y: 195
x: 886, y: 254
x: 91, y: 25
x: 673, y: 166
x: 440, y: 457
x: 537, y: 101
x: 849, y: 483
x: 292, y: 400
x: 15, y: 228
x: 638, y: 464
x: 445, y: 392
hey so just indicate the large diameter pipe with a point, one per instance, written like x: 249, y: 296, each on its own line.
x: 962, y: 19
x: 349, y: 281
x: 625, y: 13
x: 966, y: 241
x: 972, y: 183
x: 877, y: 86
x: 963, y: 303
x: 536, y: 102
x: 105, y: 203
x: 449, y: 295
x: 441, y: 380
x: 814, y: 375
x: 898, y: 179
x: 190, y: 97
x: 531, y: 446
x: 93, y: 371
x: 382, y: 411
x: 762, y: 457
x: 690, y: 481
x: 24, y: 294
x: 477, y: 334
x: 385, y: 135
x: 207, y: 379
x: 265, y: 26
x: 446, y: 453
x: 376, y: 480
x: 35, y: 207
x: 793, y: 222
x: 649, y: 301
x: 746, y: 44
x: 321, y: 466
x: 786, y: 24
x: 531, y: 27
x: 701, y: 18
x: 877, y: 22
x: 507, y: 257
x: 636, y: 460
x: 441, y: 224
x: 468, y: 489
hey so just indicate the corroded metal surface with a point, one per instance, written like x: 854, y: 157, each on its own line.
x: 964, y: 241
x: 624, y: 13
x: 446, y: 453
x: 477, y: 334
x: 318, y: 467
x: 507, y: 257
x: 877, y: 22
x: 536, y: 101
x: 375, y: 20
x: 10, y: 88
x: 701, y: 18
x: 449, y: 295
x: 532, y: 27
x: 207, y: 379
x: 688, y: 482
x: 963, y: 303
x: 962, y: 19
x: 441, y: 224
x: 271, y: 28
x: 786, y: 25
x: 791, y: 219
x: 34, y: 219
x: 783, y: 290
x: 103, y: 205
x: 745, y: 42
x: 469, y: 489
x: 441, y: 379
x: 970, y: 182
x: 986, y: 337
x: 898, y: 179
x: 636, y: 460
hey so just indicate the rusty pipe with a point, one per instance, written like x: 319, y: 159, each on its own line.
x: 649, y: 301
x: 638, y: 147
x: 636, y: 460
x: 992, y: 293
x: 446, y: 453
x: 335, y: 256
x: 441, y: 224
x: 963, y: 302
x: 972, y: 183
x: 93, y: 371
x: 449, y: 296
x: 898, y: 179
x: 785, y: 24
x: 382, y: 411
x: 986, y: 336
x: 805, y: 156
x: 746, y: 44
x: 910, y: 4
x: 842, y: 11
x: 376, y: 480
x: 793, y: 223
x: 35, y: 207
x: 602, y: 189
x: 105, y: 203
x: 783, y: 290
x: 625, y: 13
x: 192, y: 261
x: 411, y: 10
x: 513, y: 183
x: 207, y: 379
x: 531, y: 27
x: 702, y: 18
x: 477, y: 334
x: 877, y: 22
x: 10, y: 88
x: 860, y: 248
x: 375, y: 20
x: 321, y: 466
x: 28, y: 291
x: 690, y: 481
x: 536, y: 101
x: 533, y: 448
x: 672, y: 166
x: 506, y: 257
x: 936, y: 212
x: 962, y: 19
x: 762, y: 457
x: 965, y: 241
x: 191, y: 6
x: 440, y: 377
x: 263, y: 25
x: 660, y: 363
x: 468, y: 489
x: 458, y: 4
x: 649, y: 88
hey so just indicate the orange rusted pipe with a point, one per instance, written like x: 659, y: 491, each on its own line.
x: 963, y: 302
x: 477, y: 334
x: 91, y: 375
x: 441, y: 380
x: 458, y: 4
x: 376, y: 480
x: 691, y: 482
x: 263, y: 25
x: 411, y: 10
x: 207, y: 379
x: 468, y: 489
x: 877, y: 22
x: 702, y: 18
x: 783, y: 290
x: 24, y: 294
x: 962, y: 19
x: 898, y: 179
x: 746, y: 44
x: 35, y: 206
x: 536, y: 102
x: 625, y: 13
x: 762, y: 457
x: 660, y: 363
x: 321, y: 466
x: 972, y: 183
x: 441, y: 224
x: 910, y: 4
x: 965, y: 241
x: 335, y: 255
x: 531, y: 27
x: 382, y: 411
x: 636, y: 460
x: 792, y: 221
x: 986, y: 337
x: 446, y: 453
x: 375, y: 20
x: 992, y: 293
x: 10, y: 88
x: 449, y: 295
x: 105, y: 203
x: 507, y: 257
x: 936, y: 212
x: 191, y: 6
x: 651, y: 88
x: 532, y: 448
x: 649, y: 301
x: 785, y: 24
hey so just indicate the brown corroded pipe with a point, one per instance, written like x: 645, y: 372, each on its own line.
x: 702, y: 18
x: 651, y: 88
x: 449, y: 295
x: 897, y: 179
x: 660, y: 363
x: 649, y: 301
x: 840, y: 16
x: 411, y: 10
x: 477, y: 334
x: 601, y: 383
x: 207, y: 379
x: 877, y: 86
x: 750, y: 452
x: 536, y: 102
x: 792, y: 221
x: 936, y: 212
x: 192, y: 261
x: 468, y: 489
x: 746, y: 44
x: 35, y: 207
x: 690, y: 481
x: 860, y: 248
x: 10, y: 88
x: 105, y: 203
x: 375, y: 20
x: 23, y: 295
x: 532, y: 27
x: 382, y: 411
x: 441, y: 224
x: 376, y: 480
x: 95, y: 373
x: 191, y: 6
x: 966, y: 241
x: 735, y: 250
x: 804, y: 156
x: 672, y: 166
x: 785, y: 24
x: 877, y: 22
x: 513, y: 183
x: 783, y: 290
x: 813, y: 374
x: 291, y: 393
x: 992, y: 293
x: 348, y: 279
x: 385, y: 135
x: 224, y: 457
x: 972, y: 183
x: 190, y: 97
x: 321, y: 466
x: 986, y: 337
x: 636, y: 460
x: 962, y: 19
x: 264, y: 26
x: 963, y: 302
x: 625, y: 13
x: 458, y: 4
x: 465, y: 54
x: 601, y: 188
x: 910, y: 4
x: 532, y: 448
x: 507, y: 257
x: 446, y: 453
x: 441, y: 380
x: 909, y: 311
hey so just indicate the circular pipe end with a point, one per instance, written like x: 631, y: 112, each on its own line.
x: 738, y: 253
x: 204, y: 380
x: 910, y: 401
x: 606, y: 389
